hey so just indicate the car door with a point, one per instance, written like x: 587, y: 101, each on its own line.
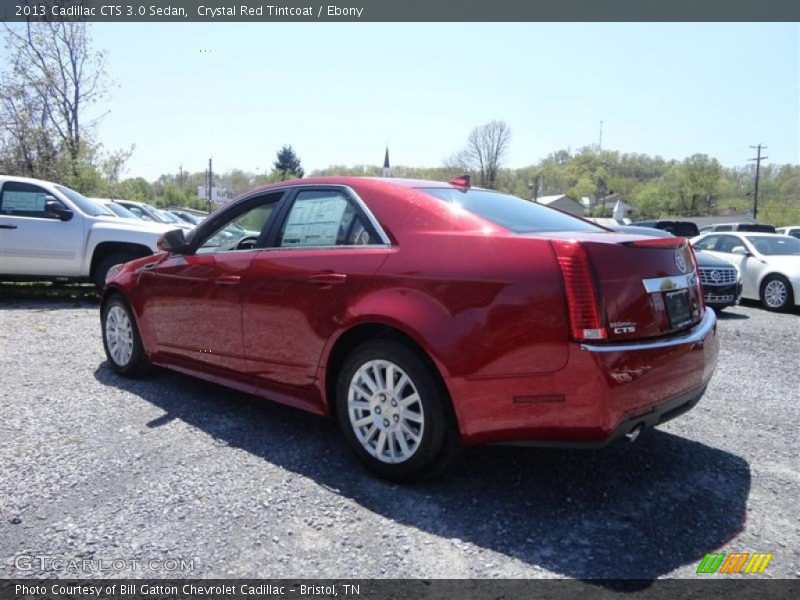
x: 194, y: 299
x: 325, y: 249
x: 748, y: 266
x: 34, y: 241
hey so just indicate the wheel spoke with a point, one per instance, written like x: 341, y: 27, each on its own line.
x: 363, y: 422
x: 381, y: 443
x: 409, y: 400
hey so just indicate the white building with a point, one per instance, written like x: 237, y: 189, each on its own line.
x: 218, y: 195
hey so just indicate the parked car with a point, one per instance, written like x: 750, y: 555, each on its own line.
x: 792, y: 230
x: 117, y: 209
x: 769, y: 264
x: 187, y: 217
x: 423, y: 315
x: 48, y: 231
x: 758, y: 227
x: 722, y: 285
x: 682, y: 228
x: 150, y: 213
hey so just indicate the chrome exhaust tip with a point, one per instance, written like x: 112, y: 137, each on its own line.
x: 634, y: 433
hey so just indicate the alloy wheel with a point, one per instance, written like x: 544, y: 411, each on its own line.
x: 119, y: 335
x: 775, y: 293
x: 385, y: 411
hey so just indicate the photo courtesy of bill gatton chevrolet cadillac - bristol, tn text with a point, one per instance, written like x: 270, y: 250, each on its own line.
x: 422, y: 316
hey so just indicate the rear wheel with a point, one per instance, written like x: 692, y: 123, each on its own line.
x: 121, y: 339
x: 776, y: 293
x: 394, y: 413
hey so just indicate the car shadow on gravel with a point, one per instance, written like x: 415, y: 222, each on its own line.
x: 55, y: 295
x: 632, y: 511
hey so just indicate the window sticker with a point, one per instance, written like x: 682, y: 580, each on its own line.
x: 27, y: 202
x: 314, y: 221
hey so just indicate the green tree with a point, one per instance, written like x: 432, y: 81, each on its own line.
x: 288, y: 164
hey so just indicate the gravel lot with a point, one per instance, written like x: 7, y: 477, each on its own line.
x: 169, y: 467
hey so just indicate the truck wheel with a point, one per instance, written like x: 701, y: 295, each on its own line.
x: 102, y: 267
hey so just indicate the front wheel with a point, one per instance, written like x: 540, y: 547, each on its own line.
x: 121, y: 339
x: 393, y: 412
x: 776, y: 293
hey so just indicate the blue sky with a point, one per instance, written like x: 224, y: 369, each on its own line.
x: 339, y: 92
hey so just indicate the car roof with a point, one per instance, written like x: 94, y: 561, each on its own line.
x: 353, y: 181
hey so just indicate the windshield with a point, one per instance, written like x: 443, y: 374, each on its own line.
x: 188, y: 217
x: 120, y: 211
x: 775, y: 245
x: 151, y: 212
x: 168, y: 217
x: 515, y: 214
x: 90, y: 207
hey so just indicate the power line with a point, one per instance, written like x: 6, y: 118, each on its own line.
x: 758, y: 160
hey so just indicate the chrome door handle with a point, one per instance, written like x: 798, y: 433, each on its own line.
x: 323, y: 279
x: 227, y: 280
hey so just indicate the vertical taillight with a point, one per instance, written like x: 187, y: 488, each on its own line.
x: 700, y: 289
x: 582, y: 299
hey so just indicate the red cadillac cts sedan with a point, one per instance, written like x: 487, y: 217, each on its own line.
x: 423, y: 316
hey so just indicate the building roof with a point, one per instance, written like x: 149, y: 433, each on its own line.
x: 550, y: 199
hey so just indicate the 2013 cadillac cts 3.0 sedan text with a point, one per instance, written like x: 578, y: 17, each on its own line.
x: 423, y: 316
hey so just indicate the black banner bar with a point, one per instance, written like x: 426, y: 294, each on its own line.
x: 400, y: 10
x: 747, y: 586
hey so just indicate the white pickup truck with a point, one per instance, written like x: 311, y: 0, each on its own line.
x: 48, y: 231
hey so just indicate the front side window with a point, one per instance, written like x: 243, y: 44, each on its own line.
x: 25, y: 200
x: 727, y: 243
x: 322, y: 218
x: 515, y: 214
x: 707, y: 243
x: 242, y: 230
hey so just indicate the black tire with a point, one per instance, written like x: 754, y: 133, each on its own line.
x: 137, y: 365
x: 439, y: 445
x: 102, y: 267
x: 788, y: 298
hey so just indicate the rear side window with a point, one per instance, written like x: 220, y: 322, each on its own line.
x: 515, y: 214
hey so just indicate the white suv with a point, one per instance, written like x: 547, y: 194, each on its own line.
x: 48, y: 231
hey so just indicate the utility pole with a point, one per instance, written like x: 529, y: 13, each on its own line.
x: 210, y: 182
x: 180, y: 176
x: 758, y: 160
x: 600, y: 141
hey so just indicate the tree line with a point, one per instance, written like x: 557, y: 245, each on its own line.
x: 55, y: 80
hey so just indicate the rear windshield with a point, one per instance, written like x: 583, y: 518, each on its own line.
x: 775, y: 246
x: 683, y: 229
x: 515, y: 214
x: 756, y: 227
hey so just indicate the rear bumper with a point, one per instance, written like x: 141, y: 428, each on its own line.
x: 603, y: 392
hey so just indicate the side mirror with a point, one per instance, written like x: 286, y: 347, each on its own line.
x: 741, y: 250
x: 173, y: 241
x: 53, y: 209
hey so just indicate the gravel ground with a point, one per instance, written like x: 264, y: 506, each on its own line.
x: 93, y: 466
